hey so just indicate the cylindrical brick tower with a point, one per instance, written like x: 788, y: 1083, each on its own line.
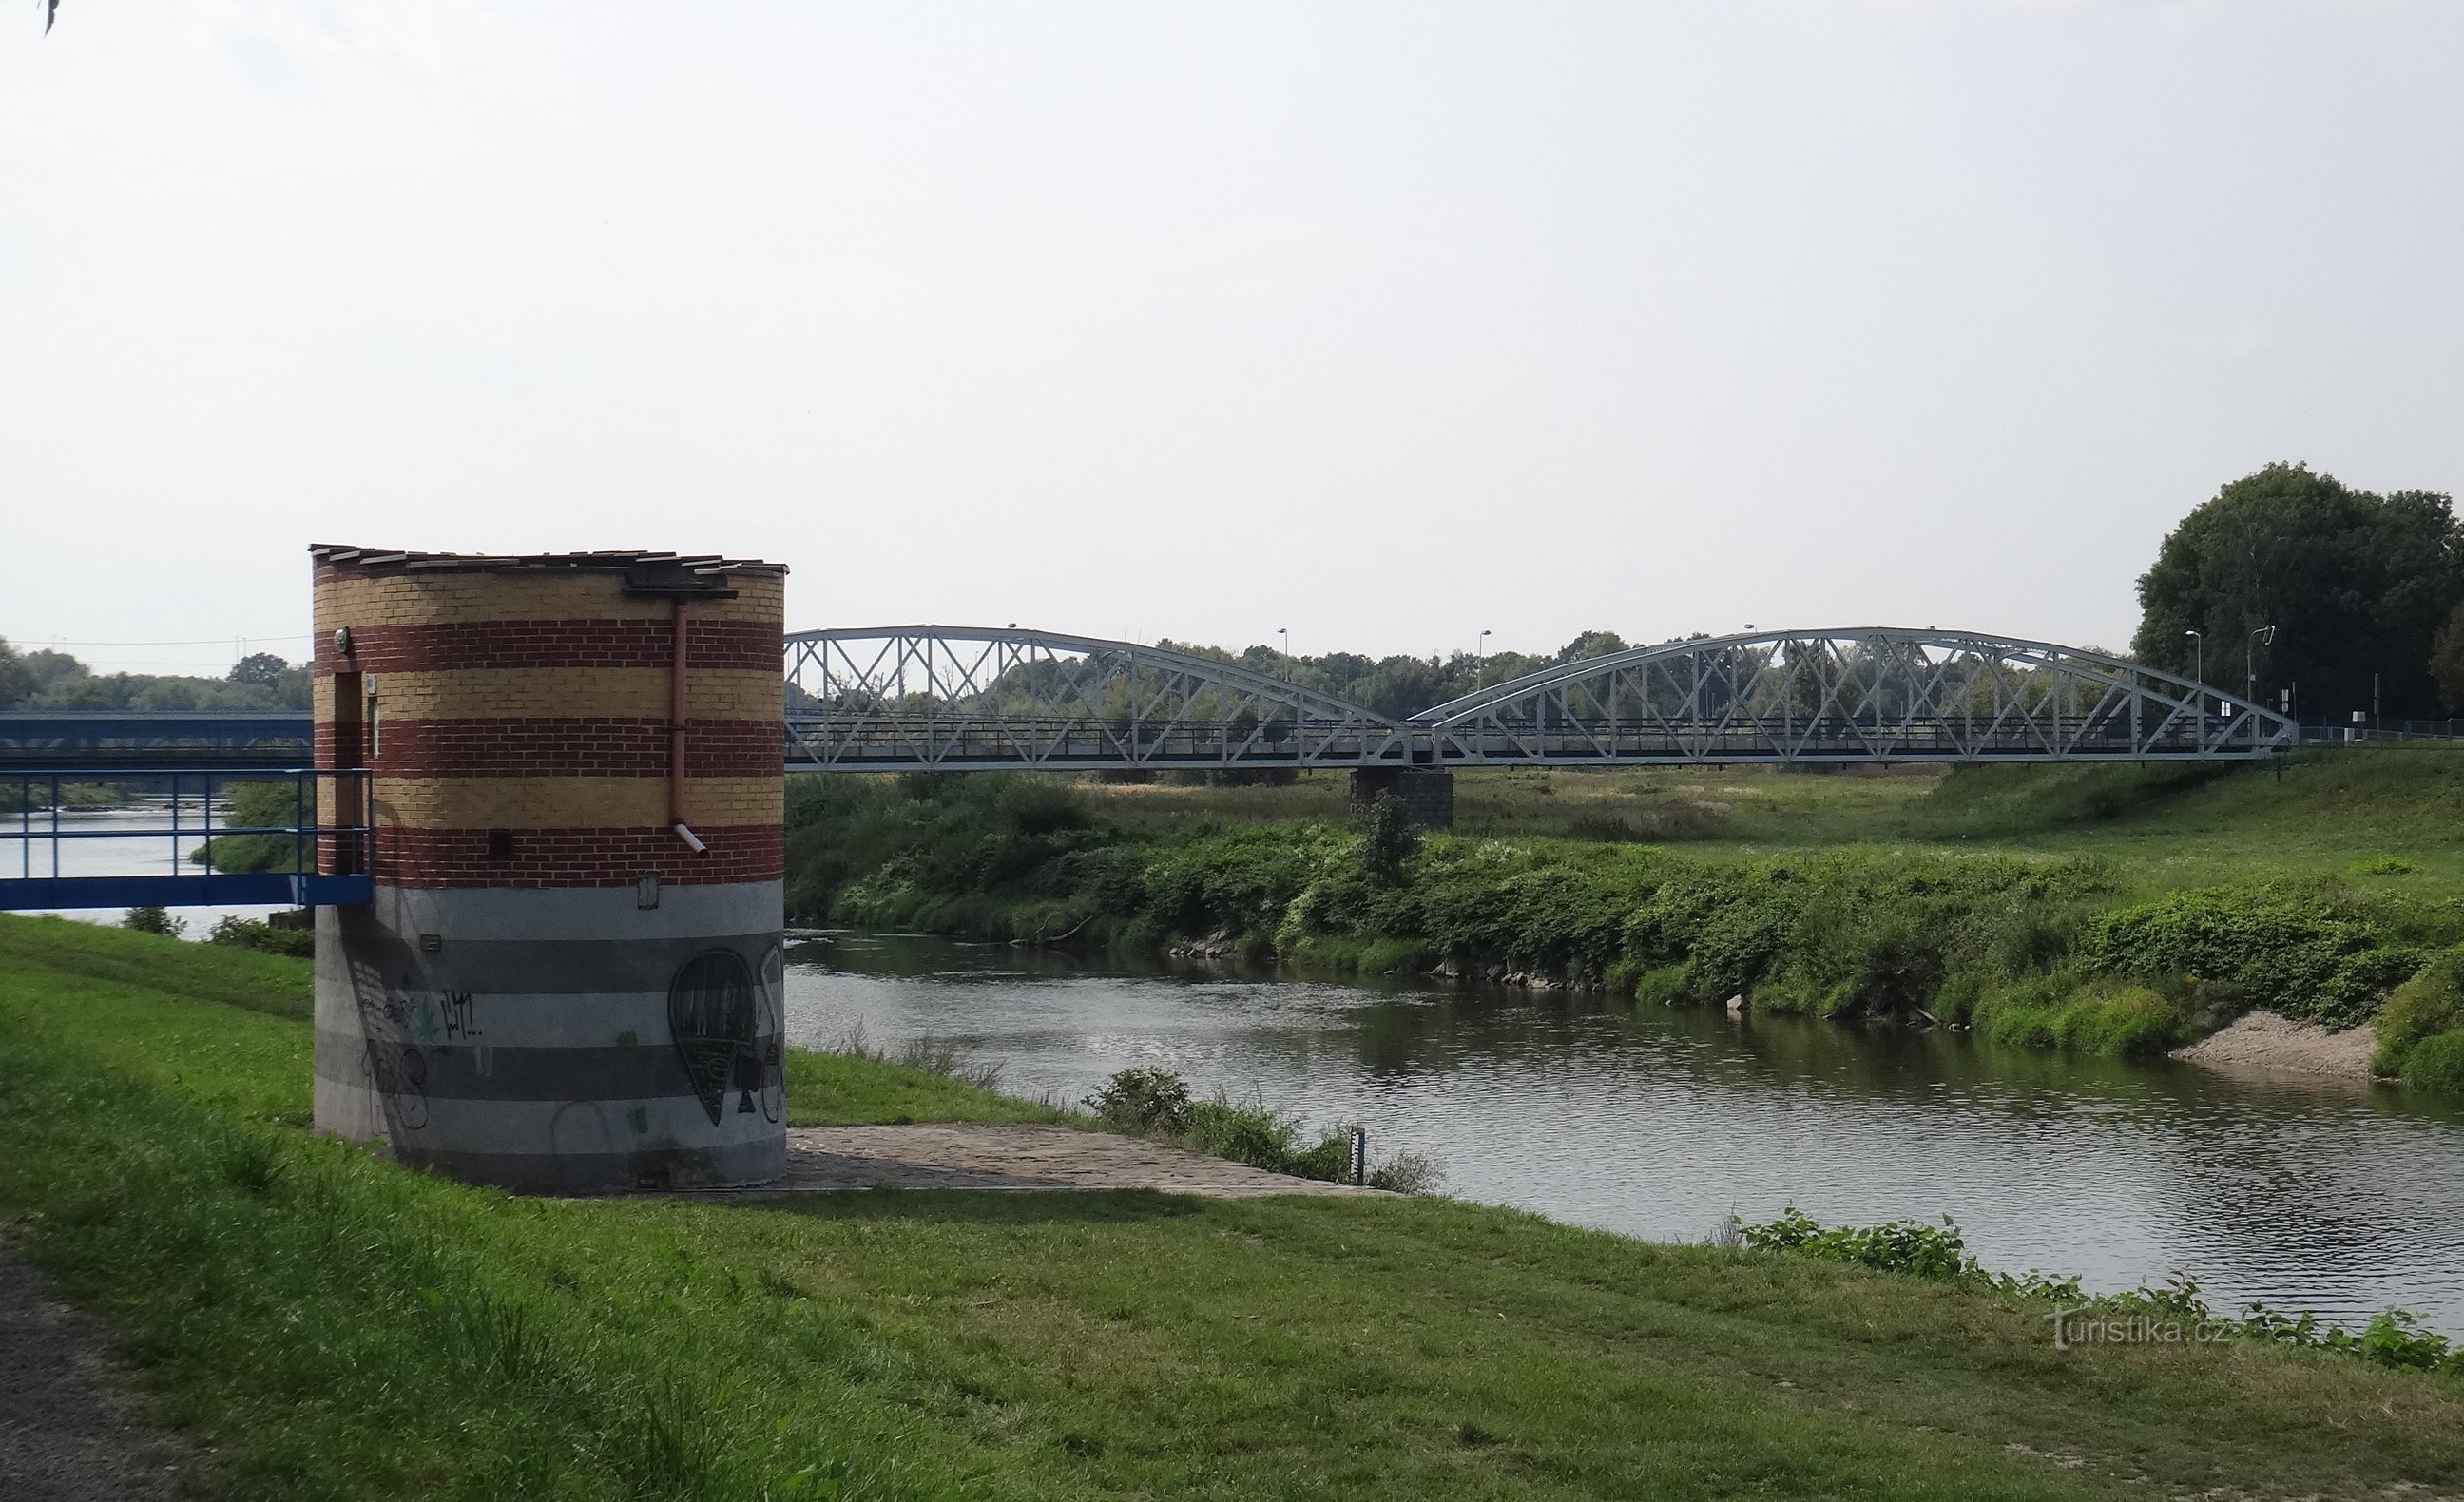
x: 569, y: 979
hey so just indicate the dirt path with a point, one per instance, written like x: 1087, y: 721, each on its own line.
x: 958, y: 1156
x: 66, y: 1434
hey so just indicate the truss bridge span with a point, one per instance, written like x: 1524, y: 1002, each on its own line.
x: 963, y: 698
x: 968, y: 698
x: 1850, y: 694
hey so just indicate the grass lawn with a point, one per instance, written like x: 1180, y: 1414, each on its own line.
x: 336, y: 1327
x: 2327, y: 812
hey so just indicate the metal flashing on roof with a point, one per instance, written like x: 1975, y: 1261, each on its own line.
x: 630, y: 561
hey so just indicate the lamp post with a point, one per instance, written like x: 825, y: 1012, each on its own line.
x: 1285, y: 632
x: 2199, y: 675
x: 1478, y: 655
x: 2264, y: 636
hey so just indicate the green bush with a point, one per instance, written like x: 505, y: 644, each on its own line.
x: 2429, y: 1003
x: 2301, y: 954
x: 2436, y: 1063
x: 2098, y: 1018
x: 154, y: 920
x: 2383, y: 866
x: 1908, y: 1247
x: 1145, y: 1101
x: 248, y: 932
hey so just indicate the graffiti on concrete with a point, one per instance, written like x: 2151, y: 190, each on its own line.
x: 396, y: 1070
x: 459, y: 1023
x: 712, y: 1013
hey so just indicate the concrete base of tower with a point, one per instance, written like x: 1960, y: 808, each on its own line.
x: 558, y: 1041
x: 1429, y: 795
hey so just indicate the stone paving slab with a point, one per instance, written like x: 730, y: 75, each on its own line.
x: 970, y: 1156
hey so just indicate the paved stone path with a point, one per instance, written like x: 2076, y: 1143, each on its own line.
x: 967, y: 1155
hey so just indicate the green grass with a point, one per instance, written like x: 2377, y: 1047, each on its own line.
x: 849, y: 1089
x: 2324, y: 812
x: 336, y: 1327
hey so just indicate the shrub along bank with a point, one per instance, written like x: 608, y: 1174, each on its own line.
x: 2034, y: 950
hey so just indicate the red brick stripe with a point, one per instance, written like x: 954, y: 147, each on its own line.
x: 607, y: 857
x: 453, y: 646
x: 572, y: 748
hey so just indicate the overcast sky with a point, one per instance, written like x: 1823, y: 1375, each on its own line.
x: 1387, y: 324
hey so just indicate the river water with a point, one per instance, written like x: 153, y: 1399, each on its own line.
x: 2341, y: 1199
x: 103, y: 843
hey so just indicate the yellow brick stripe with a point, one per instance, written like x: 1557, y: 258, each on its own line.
x: 564, y: 802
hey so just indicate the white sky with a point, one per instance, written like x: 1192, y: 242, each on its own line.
x: 1383, y: 322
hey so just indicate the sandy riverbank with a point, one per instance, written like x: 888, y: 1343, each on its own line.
x: 2264, y: 1040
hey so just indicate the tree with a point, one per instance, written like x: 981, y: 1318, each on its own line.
x: 260, y: 669
x: 15, y: 679
x: 2447, y: 659
x: 1388, y: 836
x: 1592, y: 643
x: 2356, y: 584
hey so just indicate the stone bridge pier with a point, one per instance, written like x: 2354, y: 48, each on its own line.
x: 1428, y: 794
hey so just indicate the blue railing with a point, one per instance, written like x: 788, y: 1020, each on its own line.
x: 60, y: 860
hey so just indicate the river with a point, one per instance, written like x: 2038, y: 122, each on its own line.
x: 2338, y: 1197
x: 104, y: 845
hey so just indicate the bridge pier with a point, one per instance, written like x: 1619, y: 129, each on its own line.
x: 1429, y: 794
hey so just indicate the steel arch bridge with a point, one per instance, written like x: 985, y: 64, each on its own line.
x: 968, y: 698
x: 1849, y: 695
x: 965, y: 698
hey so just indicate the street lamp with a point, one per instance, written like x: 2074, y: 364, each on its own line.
x: 2264, y: 636
x: 1285, y: 632
x: 2199, y: 675
x: 1479, y: 655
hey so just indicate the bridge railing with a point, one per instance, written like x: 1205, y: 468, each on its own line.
x: 69, y: 852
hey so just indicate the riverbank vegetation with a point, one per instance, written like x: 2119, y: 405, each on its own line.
x: 336, y: 1327
x: 2110, y: 910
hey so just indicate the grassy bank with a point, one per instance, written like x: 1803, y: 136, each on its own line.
x: 339, y: 1328
x: 2114, y: 909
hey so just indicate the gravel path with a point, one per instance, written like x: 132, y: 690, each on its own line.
x: 958, y: 1156
x: 66, y: 1434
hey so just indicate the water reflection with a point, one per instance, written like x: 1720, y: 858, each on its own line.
x: 2341, y: 1197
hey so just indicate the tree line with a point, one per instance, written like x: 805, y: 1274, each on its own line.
x: 44, y: 679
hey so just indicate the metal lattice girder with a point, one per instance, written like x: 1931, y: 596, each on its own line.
x: 219, y: 737
x: 974, y: 698
x: 1860, y: 693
